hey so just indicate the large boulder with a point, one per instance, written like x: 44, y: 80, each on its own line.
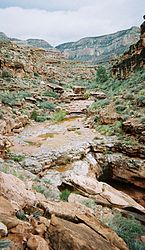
x: 7, y: 213
x: 102, y: 192
x: 66, y: 235
x: 15, y: 191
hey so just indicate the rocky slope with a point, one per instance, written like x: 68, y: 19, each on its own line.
x: 102, y: 48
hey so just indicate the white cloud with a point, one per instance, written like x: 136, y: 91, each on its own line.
x: 93, y: 19
x: 50, y: 5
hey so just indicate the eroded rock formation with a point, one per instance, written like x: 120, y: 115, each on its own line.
x: 132, y: 59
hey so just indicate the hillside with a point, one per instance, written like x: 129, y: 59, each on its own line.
x: 102, y: 48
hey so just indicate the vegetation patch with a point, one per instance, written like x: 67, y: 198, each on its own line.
x: 51, y: 94
x: 43, y: 190
x: 38, y: 117
x: 110, y: 129
x: 59, y: 116
x: 6, y: 74
x: 65, y: 194
x: 101, y: 75
x: 17, y: 158
x: 128, y: 229
x: 46, y: 105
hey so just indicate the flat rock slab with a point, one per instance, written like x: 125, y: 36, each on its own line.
x: 47, y: 141
x: 78, y: 106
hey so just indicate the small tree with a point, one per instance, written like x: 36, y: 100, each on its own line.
x: 101, y: 74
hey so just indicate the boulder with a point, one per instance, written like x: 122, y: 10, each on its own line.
x: 7, y: 213
x: 15, y: 191
x: 66, y: 235
x: 102, y: 192
x: 64, y: 210
x: 36, y: 242
x: 108, y: 115
x: 3, y: 230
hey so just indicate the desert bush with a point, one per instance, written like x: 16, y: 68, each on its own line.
x: 65, y: 194
x: 36, y: 116
x: 99, y: 104
x: 101, y: 74
x: 128, y: 229
x: 120, y: 108
x: 58, y: 116
x: 23, y: 94
x: 43, y: 190
x: 36, y: 74
x: 46, y: 105
x: 6, y: 74
x: 110, y: 129
x: 51, y: 94
x: 9, y: 98
x: 17, y: 158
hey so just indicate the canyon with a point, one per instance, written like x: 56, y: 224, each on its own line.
x: 72, y: 154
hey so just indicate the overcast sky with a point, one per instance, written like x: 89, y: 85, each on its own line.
x: 59, y: 21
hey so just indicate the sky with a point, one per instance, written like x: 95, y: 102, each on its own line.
x: 59, y: 21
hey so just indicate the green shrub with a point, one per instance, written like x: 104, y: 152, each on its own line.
x: 6, y: 74
x: 38, y: 117
x: 23, y: 94
x: 101, y: 74
x: 17, y: 158
x: 90, y: 203
x: 59, y: 116
x: 65, y: 194
x: 51, y: 94
x: 128, y: 229
x: 110, y: 129
x: 20, y: 214
x: 42, y: 118
x: 120, y: 108
x: 43, y: 190
x: 36, y: 74
x: 99, y: 104
x: 46, y: 105
x: 39, y: 188
x: 141, y: 100
x: 9, y: 98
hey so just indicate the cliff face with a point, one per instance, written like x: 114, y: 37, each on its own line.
x: 102, y: 48
x: 133, y: 59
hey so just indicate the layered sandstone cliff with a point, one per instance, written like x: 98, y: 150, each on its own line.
x: 133, y: 59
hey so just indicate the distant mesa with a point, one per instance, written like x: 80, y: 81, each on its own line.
x: 100, y: 49
x: 37, y: 43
